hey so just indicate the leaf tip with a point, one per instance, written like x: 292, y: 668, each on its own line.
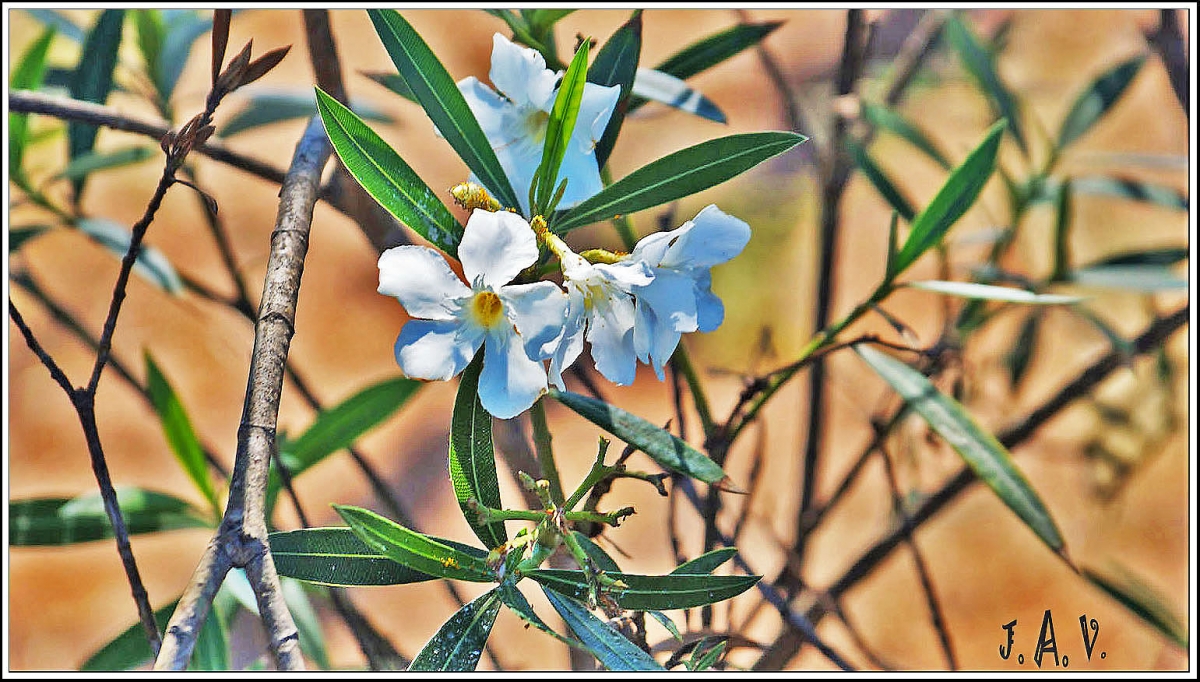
x: 726, y: 484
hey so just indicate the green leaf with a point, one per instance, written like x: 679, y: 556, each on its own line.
x: 680, y: 174
x: 59, y: 22
x: 952, y: 200
x: 651, y: 592
x: 990, y: 292
x: 337, y: 557
x: 608, y: 646
x: 596, y: 553
x: 884, y: 118
x: 518, y: 604
x: 707, y: 562
x: 17, y: 236
x: 308, y: 626
x: 1016, y: 361
x: 1131, y: 189
x: 1144, y: 278
x: 66, y: 520
x: 541, y: 20
x: 1162, y: 257
x: 616, y: 64
x: 150, y: 36
x: 990, y: 461
x: 264, y: 107
x: 472, y: 460
x: 667, y: 623
x: 663, y: 447
x: 180, y: 435
x: 880, y: 180
x: 1097, y: 99
x: 93, y: 80
x: 338, y: 427
x: 183, y: 28
x: 458, y: 644
x: 1144, y: 601
x: 211, y: 652
x: 1062, y: 232
x: 93, y: 161
x: 129, y: 649
x: 716, y: 48
x: 559, y: 130
x: 651, y: 84
x: 442, y: 101
x: 387, y: 178
x: 27, y: 75
x: 393, y: 82
x: 151, y: 264
x: 413, y: 549
x: 979, y: 63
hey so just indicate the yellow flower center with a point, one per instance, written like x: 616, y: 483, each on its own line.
x: 487, y: 309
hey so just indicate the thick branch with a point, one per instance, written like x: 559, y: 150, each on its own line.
x: 241, y: 541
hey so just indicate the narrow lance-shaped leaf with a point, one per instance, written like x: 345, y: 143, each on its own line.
x: 338, y: 557
x: 17, y: 236
x: 886, y: 119
x: 413, y: 549
x: 151, y: 264
x: 59, y: 22
x: 559, y: 129
x: 178, y: 429
x: 458, y: 644
x: 651, y: 84
x: 93, y: 80
x: 991, y: 292
x: 150, y: 36
x: 265, y: 107
x: 1097, y: 99
x: 1017, y: 359
x: 1161, y: 257
x: 1142, y: 600
x: 65, y: 520
x: 442, y: 101
x: 1062, y: 232
x: 979, y: 63
x: 472, y: 460
x: 339, y: 426
x: 610, y: 647
x: 26, y: 76
x: 542, y: 20
x: 211, y: 652
x: 651, y: 592
x: 882, y: 183
x: 129, y: 649
x: 616, y: 64
x: 1131, y: 189
x: 678, y: 175
x: 308, y: 625
x: 182, y: 31
x: 386, y: 177
x: 94, y: 161
x: 663, y: 447
x: 952, y: 200
x: 518, y: 604
x: 986, y: 456
x: 707, y: 562
x: 393, y: 82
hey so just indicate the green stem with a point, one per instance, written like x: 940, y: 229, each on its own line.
x: 683, y: 365
x: 594, y: 476
x: 488, y: 514
x: 545, y: 453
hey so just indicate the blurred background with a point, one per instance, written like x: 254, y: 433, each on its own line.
x: 1113, y: 468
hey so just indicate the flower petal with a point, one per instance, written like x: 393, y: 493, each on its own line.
x: 611, y: 334
x: 713, y: 238
x: 437, y: 349
x: 496, y: 247
x: 490, y: 109
x: 710, y: 311
x: 568, y: 347
x: 595, y: 109
x: 423, y: 281
x: 510, y: 382
x: 672, y: 296
x: 539, y: 310
x: 651, y: 248
x: 582, y: 174
x: 521, y: 74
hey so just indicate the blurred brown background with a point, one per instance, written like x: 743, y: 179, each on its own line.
x: 987, y: 568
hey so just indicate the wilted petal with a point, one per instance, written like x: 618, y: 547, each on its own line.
x: 496, y: 247
x: 436, y: 350
x: 510, y: 382
x: 521, y: 74
x: 538, y: 312
x: 711, y: 238
x: 423, y: 281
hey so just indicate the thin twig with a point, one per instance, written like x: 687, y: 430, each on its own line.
x: 241, y: 540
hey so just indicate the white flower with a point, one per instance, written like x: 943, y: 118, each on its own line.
x: 515, y: 121
x: 680, y: 297
x: 451, y: 320
x: 600, y: 307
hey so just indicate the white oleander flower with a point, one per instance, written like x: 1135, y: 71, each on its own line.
x: 451, y: 320
x: 679, y: 299
x: 516, y: 118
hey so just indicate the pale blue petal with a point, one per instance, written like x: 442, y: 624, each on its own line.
x: 651, y: 248
x: 510, y: 382
x: 711, y: 238
x: 665, y: 342
x: 672, y: 296
x: 569, y: 346
x: 582, y: 174
x: 595, y: 109
x: 626, y: 274
x: 436, y: 350
x: 521, y: 74
x: 423, y: 281
x: 611, y: 334
x: 491, y: 110
x: 538, y: 311
x: 496, y: 247
x: 710, y: 311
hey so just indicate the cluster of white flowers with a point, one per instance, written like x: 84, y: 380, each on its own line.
x: 628, y: 308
